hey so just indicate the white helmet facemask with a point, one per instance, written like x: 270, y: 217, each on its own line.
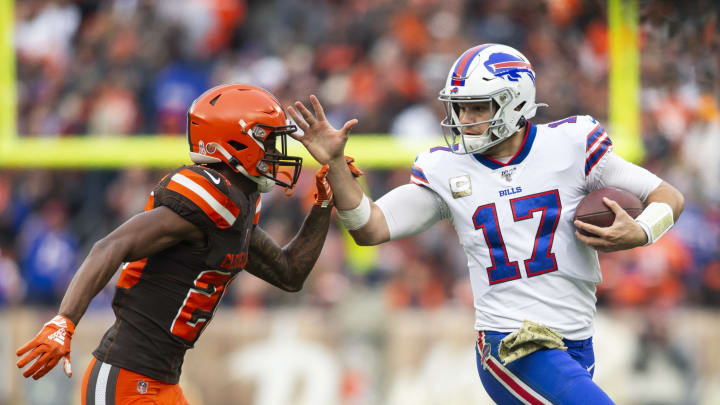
x: 495, y: 74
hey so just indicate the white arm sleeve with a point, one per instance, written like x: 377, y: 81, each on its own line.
x: 411, y: 209
x: 615, y: 171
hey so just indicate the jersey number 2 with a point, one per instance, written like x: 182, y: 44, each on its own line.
x: 199, y: 304
x: 542, y: 260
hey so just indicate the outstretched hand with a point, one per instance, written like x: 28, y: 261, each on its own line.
x: 324, y: 142
x: 624, y: 233
x: 47, y: 348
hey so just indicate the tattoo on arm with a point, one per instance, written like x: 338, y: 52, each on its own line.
x: 289, y: 266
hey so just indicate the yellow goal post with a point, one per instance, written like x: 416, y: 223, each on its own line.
x: 373, y: 151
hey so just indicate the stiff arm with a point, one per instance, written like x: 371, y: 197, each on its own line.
x: 404, y: 211
x: 327, y: 145
x: 288, y: 267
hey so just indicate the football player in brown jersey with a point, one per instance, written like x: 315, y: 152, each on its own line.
x: 198, y: 231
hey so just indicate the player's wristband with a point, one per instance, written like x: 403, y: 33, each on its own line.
x: 62, y: 321
x: 656, y: 219
x: 357, y: 217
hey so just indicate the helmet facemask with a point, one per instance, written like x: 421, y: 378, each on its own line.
x: 268, y: 170
x: 275, y: 160
x: 497, y: 131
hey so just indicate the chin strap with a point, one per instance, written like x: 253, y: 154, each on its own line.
x: 265, y: 184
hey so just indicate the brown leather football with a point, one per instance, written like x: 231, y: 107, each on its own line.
x: 593, y: 210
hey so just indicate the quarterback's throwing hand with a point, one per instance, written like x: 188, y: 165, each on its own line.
x: 49, y: 346
x: 320, y: 139
x: 624, y: 233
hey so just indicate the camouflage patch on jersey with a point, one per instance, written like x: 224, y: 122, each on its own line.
x: 460, y: 186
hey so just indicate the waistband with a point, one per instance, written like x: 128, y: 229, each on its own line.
x: 575, y: 344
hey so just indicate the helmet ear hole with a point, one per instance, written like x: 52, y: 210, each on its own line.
x: 237, y: 145
x: 520, y: 107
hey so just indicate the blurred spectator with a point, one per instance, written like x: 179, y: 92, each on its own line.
x: 45, y: 31
x: 12, y: 285
x: 665, y: 365
x: 175, y: 87
x: 415, y: 286
x: 48, y: 254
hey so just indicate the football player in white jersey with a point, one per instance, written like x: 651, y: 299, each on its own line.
x: 510, y: 188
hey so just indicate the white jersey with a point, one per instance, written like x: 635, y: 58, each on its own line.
x: 515, y: 222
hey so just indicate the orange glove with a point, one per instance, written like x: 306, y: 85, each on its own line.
x: 353, y: 169
x: 50, y: 345
x: 324, y: 195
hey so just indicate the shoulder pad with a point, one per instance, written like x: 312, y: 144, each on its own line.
x: 440, y: 148
x: 584, y: 125
x: 597, y: 145
x: 417, y: 172
x: 588, y: 131
x: 579, y: 128
x: 199, y: 194
x: 575, y: 123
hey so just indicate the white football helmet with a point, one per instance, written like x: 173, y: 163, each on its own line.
x: 492, y: 73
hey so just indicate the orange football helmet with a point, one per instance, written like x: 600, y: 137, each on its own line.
x: 240, y: 125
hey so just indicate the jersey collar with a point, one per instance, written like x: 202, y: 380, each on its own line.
x: 530, y: 131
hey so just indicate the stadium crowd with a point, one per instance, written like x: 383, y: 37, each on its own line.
x: 132, y: 67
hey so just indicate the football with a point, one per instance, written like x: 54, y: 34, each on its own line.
x: 593, y: 210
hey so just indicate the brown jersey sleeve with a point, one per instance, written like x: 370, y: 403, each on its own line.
x: 200, y: 195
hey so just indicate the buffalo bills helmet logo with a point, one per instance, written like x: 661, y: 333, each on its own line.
x: 454, y: 90
x: 508, y: 67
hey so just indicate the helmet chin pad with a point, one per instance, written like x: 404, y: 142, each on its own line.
x: 200, y: 158
x: 476, y: 142
x: 264, y: 184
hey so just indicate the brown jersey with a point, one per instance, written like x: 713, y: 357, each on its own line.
x: 163, y: 303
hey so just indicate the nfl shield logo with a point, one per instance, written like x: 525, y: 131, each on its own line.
x: 507, y: 174
x: 142, y: 387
